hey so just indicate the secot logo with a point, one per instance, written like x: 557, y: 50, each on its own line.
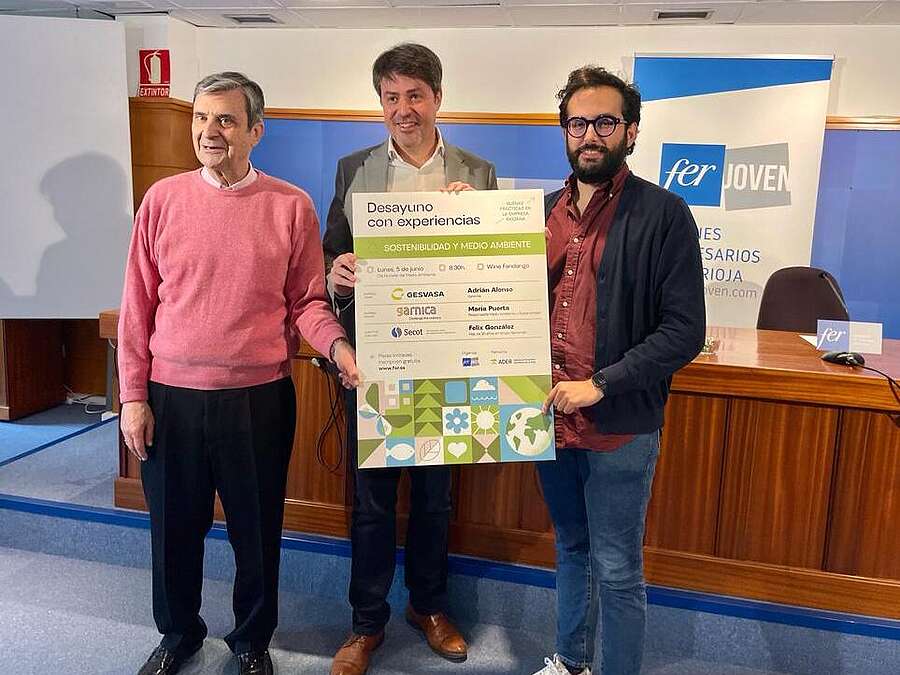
x: 737, y: 178
x: 398, y: 332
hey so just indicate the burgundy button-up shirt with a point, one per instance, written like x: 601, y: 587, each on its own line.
x: 573, y: 257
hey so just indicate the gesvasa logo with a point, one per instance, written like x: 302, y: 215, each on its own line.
x: 401, y: 294
x: 739, y: 178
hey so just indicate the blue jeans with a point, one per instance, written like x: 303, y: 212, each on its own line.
x: 598, y: 502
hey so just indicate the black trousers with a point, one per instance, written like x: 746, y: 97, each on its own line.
x: 236, y: 442
x: 373, y: 537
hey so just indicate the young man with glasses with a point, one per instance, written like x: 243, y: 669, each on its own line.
x: 627, y: 311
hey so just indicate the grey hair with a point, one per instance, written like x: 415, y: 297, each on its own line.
x: 253, y: 95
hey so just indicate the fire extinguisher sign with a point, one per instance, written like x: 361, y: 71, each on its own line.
x: 154, y: 65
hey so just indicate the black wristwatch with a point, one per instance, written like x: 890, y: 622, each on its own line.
x: 598, y: 379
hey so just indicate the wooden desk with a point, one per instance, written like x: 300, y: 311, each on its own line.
x: 779, y: 479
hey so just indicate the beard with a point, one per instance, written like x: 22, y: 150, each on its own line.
x: 594, y: 173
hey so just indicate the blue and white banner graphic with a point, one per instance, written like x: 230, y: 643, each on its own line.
x: 740, y: 139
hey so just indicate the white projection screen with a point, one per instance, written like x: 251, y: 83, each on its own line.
x: 65, y: 177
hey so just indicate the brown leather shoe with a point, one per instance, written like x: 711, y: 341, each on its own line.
x: 353, y: 656
x: 442, y: 636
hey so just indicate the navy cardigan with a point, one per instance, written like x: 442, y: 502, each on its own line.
x: 651, y: 315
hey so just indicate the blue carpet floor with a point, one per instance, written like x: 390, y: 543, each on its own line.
x: 35, y: 432
x: 79, y: 470
x: 75, y: 598
x: 64, y: 615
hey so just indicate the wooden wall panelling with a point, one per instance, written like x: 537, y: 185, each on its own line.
x: 534, y: 516
x: 308, y: 479
x: 863, y: 537
x: 4, y: 387
x: 160, y: 142
x: 773, y: 583
x: 161, y: 132
x: 85, y: 356
x: 508, y: 545
x: 776, y: 485
x: 684, y: 509
x: 500, y: 495
x: 501, y: 514
x: 31, y: 375
x: 317, y: 496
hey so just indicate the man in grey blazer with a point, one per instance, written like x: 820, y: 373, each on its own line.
x: 414, y: 158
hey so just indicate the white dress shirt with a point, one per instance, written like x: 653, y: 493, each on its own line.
x: 404, y: 177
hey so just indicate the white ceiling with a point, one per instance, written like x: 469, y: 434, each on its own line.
x: 472, y: 13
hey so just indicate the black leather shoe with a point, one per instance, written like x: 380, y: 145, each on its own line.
x: 168, y: 661
x: 256, y: 663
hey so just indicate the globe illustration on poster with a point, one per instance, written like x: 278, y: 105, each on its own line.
x: 527, y: 432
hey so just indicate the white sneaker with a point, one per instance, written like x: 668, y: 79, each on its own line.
x: 555, y: 667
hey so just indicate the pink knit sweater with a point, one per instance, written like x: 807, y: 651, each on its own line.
x: 219, y: 284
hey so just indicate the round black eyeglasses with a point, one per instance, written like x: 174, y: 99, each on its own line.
x: 604, y: 126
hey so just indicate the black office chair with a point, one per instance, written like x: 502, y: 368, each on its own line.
x: 796, y: 297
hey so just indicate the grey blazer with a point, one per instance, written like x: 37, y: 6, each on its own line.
x: 367, y: 171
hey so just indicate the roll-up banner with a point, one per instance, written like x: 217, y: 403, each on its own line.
x: 740, y: 139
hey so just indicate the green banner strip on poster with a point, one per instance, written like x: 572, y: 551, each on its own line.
x: 450, y: 246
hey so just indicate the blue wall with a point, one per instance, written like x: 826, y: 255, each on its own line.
x: 857, y: 232
x: 857, y: 228
x: 305, y: 152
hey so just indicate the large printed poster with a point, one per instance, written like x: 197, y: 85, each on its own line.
x: 740, y: 139
x: 452, y: 328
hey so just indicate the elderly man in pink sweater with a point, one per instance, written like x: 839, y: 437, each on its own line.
x: 225, y: 272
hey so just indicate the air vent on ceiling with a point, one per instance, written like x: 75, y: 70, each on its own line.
x: 682, y: 14
x: 120, y: 6
x: 445, y: 3
x: 252, y: 19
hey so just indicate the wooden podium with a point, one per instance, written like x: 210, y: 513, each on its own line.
x: 778, y: 479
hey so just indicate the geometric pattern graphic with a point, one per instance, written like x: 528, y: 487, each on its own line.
x: 454, y: 421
